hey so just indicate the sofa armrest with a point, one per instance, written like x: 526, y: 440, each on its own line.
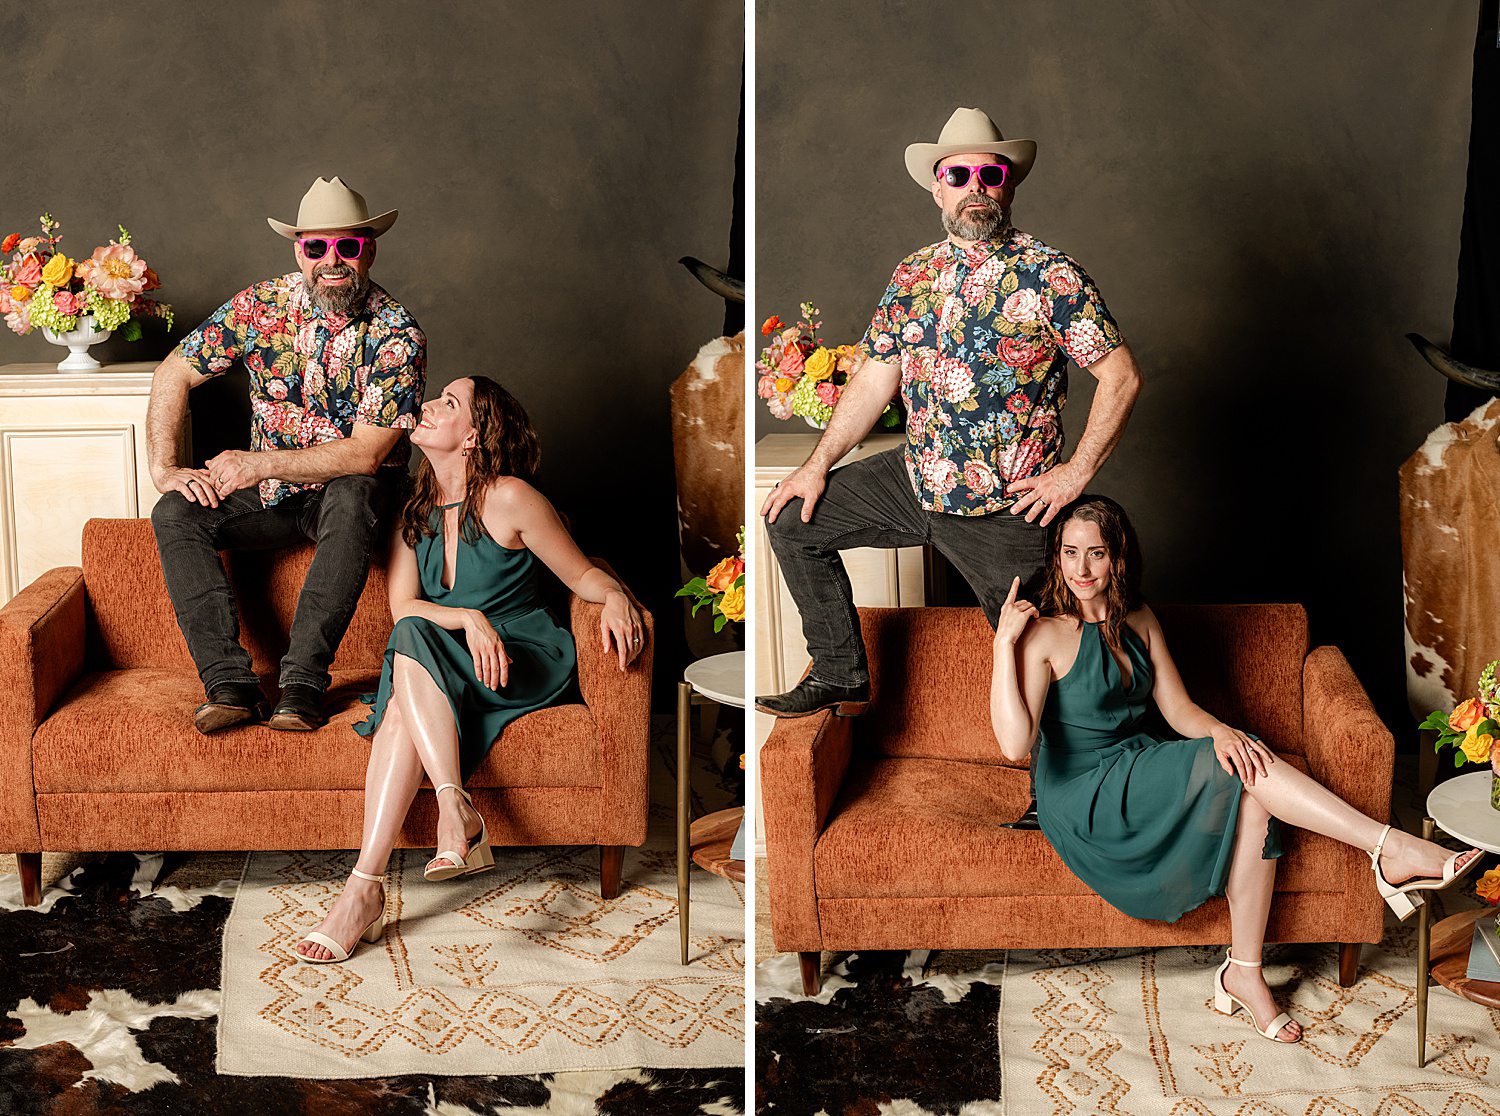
x: 620, y: 703
x: 1352, y: 753
x: 802, y: 768
x: 41, y: 655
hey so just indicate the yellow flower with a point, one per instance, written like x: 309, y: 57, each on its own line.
x: 1475, y: 746
x: 19, y: 293
x: 820, y: 365
x: 784, y: 384
x: 58, y: 271
x: 733, y: 604
x: 1488, y: 887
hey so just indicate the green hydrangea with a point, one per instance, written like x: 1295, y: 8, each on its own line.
x: 45, y: 315
x: 806, y: 403
x: 109, y: 313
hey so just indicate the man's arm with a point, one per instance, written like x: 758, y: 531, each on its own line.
x: 360, y: 454
x: 859, y: 408
x: 1120, y: 383
x: 165, y: 412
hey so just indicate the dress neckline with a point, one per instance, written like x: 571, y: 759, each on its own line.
x: 445, y: 507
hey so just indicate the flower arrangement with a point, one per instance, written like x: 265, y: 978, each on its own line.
x: 723, y: 590
x: 1471, y: 728
x: 801, y: 375
x: 43, y: 288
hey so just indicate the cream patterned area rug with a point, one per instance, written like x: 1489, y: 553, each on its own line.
x: 1133, y: 1033
x: 519, y: 970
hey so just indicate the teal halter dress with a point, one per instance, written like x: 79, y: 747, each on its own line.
x: 502, y: 584
x: 1147, y: 823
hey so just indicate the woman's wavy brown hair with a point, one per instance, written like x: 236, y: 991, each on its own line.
x: 507, y: 446
x: 1123, y: 595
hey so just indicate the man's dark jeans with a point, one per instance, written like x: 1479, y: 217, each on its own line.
x: 342, y: 518
x: 871, y: 503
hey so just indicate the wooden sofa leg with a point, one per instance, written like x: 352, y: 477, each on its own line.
x: 611, y: 857
x: 30, y: 865
x: 1348, y: 963
x: 812, y: 972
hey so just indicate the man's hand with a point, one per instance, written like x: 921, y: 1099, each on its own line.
x: 233, y: 470
x: 194, y: 484
x: 807, y: 482
x: 1048, y: 493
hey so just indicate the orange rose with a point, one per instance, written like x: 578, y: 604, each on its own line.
x: 1476, y: 746
x: 1466, y: 716
x: 19, y: 293
x: 1488, y: 887
x: 722, y: 576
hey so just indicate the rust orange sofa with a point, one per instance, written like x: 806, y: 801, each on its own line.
x: 882, y: 830
x: 98, y: 750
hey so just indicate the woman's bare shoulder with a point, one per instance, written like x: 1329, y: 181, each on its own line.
x: 1143, y: 622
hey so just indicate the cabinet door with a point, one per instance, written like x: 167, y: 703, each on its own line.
x: 54, y: 480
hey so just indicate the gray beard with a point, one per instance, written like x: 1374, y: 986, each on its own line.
x: 982, y: 223
x: 338, y: 300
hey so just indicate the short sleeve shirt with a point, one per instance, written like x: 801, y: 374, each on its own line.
x: 313, y: 375
x: 983, y: 336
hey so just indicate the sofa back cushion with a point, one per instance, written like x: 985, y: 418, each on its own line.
x: 130, y: 617
x: 930, y: 672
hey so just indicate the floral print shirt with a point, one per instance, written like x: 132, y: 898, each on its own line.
x: 983, y: 336
x: 314, y: 375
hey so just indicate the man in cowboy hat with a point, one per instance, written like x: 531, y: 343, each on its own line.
x: 337, y: 371
x: 975, y: 331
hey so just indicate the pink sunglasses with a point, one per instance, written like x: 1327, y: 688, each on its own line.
x: 991, y: 175
x: 344, y: 247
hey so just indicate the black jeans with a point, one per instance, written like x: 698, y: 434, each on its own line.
x: 871, y: 503
x: 342, y: 518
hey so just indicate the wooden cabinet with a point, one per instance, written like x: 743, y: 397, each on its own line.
x: 72, y: 447
x: 879, y: 577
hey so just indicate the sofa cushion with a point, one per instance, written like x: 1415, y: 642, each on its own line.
x: 930, y: 674
x: 131, y: 623
x: 132, y: 731
x: 913, y: 828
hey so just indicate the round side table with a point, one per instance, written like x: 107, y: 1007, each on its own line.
x: 721, y: 679
x: 1462, y: 808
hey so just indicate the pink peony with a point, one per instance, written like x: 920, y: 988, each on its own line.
x: 911, y: 333
x: 276, y: 388
x: 28, y: 271
x: 979, y: 477
x: 1062, y: 279
x: 19, y: 318
x: 791, y: 362
x: 1019, y: 354
x: 939, y: 473
x: 1024, y: 306
x: 884, y: 343
x: 827, y: 393
x: 115, y: 272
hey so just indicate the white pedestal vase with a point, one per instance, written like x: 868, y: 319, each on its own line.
x: 78, y: 342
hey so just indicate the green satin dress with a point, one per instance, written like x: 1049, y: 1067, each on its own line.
x: 1147, y: 823
x: 502, y: 584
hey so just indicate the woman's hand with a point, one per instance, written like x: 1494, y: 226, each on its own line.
x: 1014, y: 616
x: 491, y: 663
x: 621, y: 624
x: 1241, y: 754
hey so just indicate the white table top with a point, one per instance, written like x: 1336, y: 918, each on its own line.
x: 722, y: 678
x: 1462, y: 807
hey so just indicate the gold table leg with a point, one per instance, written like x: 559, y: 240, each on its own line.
x: 1424, y: 963
x: 684, y: 752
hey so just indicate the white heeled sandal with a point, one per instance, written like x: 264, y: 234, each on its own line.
x: 1228, y: 1003
x: 1405, y: 898
x: 480, y: 856
x: 372, y: 933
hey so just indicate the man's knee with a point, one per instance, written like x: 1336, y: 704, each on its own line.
x: 788, y: 525
x: 174, y: 511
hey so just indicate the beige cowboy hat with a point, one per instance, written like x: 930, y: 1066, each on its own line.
x: 332, y: 207
x: 969, y: 129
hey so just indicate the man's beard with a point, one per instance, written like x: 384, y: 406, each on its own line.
x: 338, y: 300
x: 977, y: 218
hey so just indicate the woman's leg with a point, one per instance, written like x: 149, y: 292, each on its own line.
x: 429, y: 720
x: 391, y: 782
x: 1251, y: 882
x: 1298, y: 800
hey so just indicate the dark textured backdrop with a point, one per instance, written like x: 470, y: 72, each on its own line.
x: 551, y: 163
x: 1269, y: 196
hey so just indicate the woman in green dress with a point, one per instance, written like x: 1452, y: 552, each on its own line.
x: 1155, y: 826
x: 473, y: 647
